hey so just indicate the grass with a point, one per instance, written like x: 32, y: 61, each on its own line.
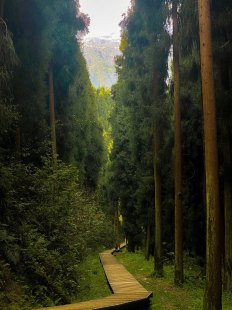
x: 165, y: 294
x: 93, y: 284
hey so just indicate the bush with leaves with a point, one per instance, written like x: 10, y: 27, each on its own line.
x: 55, y: 224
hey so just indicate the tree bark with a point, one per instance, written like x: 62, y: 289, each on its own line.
x: 227, y: 215
x: 179, y: 273
x: 2, y: 2
x: 148, y: 240
x: 117, y: 226
x: 52, y: 116
x: 18, y: 143
x: 158, y: 251
x: 148, y: 234
x: 213, y: 288
x: 158, y: 254
x: 225, y: 129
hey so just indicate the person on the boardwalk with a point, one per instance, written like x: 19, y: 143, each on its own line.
x: 117, y: 247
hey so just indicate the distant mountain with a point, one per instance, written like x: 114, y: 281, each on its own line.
x: 99, y: 54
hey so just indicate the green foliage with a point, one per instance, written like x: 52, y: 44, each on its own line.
x: 14, y: 294
x: 56, y: 224
x: 145, y: 47
x: 79, y: 132
x: 49, y: 220
x: 105, y: 106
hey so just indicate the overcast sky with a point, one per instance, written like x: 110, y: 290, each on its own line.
x: 105, y: 16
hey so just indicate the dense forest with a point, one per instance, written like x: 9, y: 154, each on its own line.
x: 149, y: 160
x: 51, y: 153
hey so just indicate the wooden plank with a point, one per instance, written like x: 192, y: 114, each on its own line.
x: 128, y: 293
x: 115, y: 301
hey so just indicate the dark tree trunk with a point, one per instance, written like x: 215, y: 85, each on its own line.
x: 158, y: 253
x: 179, y: 272
x: 213, y: 288
x: 227, y: 215
x: 2, y: 3
x: 148, y: 239
x: 18, y: 143
x: 52, y: 116
x: 116, y: 227
x: 225, y: 129
x: 131, y: 244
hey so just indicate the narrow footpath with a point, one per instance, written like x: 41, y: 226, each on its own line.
x: 128, y: 293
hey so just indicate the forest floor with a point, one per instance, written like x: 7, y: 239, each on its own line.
x: 165, y: 294
x: 93, y: 283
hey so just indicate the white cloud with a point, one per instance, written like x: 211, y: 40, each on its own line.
x: 105, y: 16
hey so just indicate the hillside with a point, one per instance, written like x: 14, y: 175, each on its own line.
x: 99, y: 54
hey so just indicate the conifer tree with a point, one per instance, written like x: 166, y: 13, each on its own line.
x: 179, y: 277
x: 212, y: 300
x: 52, y: 115
x: 158, y: 253
x: 2, y: 8
x: 221, y: 33
x: 158, y: 250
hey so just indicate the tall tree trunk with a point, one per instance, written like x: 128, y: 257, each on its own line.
x: 158, y: 251
x: 228, y: 214
x: 117, y: 226
x: 148, y: 235
x: 52, y: 115
x: 2, y: 2
x: 225, y: 128
x: 18, y: 143
x: 179, y: 273
x: 148, y: 240
x: 213, y: 288
x: 158, y: 254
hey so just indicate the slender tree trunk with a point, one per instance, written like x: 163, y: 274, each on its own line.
x: 158, y: 254
x: 204, y: 213
x: 131, y: 244
x: 148, y: 234
x: 52, y: 116
x: 148, y: 240
x: 158, y: 251
x: 2, y: 2
x: 117, y: 226
x: 227, y: 215
x: 213, y: 288
x: 179, y: 273
x: 18, y: 143
x: 225, y: 86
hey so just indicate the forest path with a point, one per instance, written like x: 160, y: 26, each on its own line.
x: 128, y: 293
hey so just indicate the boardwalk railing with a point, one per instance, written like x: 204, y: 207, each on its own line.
x: 128, y: 293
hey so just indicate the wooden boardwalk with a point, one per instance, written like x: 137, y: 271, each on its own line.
x: 128, y: 293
